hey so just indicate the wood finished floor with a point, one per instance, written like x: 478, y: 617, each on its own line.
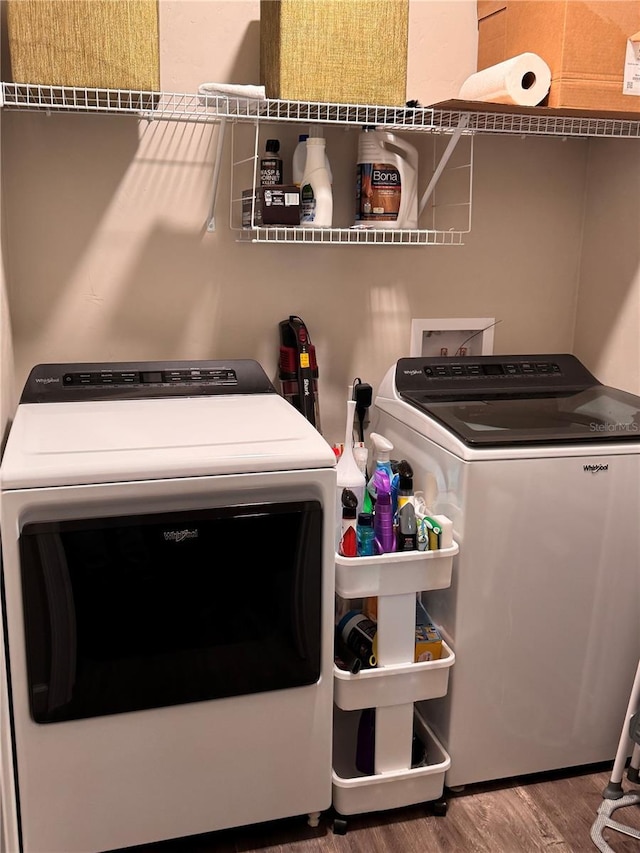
x: 553, y: 812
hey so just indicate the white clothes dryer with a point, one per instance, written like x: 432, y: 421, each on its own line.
x: 168, y: 564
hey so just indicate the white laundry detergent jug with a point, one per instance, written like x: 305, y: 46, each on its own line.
x: 386, y: 180
x: 316, y: 196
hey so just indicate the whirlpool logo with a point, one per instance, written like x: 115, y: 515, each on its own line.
x: 594, y: 469
x: 180, y: 535
x: 47, y: 380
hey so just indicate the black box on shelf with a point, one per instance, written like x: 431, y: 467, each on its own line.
x: 277, y: 204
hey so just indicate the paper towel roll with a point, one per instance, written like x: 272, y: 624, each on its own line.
x: 522, y: 80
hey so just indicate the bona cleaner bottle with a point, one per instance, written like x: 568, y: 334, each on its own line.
x: 386, y: 181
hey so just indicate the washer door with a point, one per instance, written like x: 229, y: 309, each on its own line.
x: 123, y: 614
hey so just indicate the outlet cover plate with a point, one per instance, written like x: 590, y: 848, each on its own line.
x: 446, y: 336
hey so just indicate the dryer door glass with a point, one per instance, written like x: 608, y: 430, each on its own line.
x: 123, y: 614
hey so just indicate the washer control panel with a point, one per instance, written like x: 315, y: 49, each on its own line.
x: 458, y: 369
x: 491, y: 375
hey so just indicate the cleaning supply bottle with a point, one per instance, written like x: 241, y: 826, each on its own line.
x: 271, y: 164
x: 299, y: 161
x: 348, y: 474
x: 403, y: 501
x: 407, y: 528
x: 382, y: 448
x: 348, y: 539
x: 365, y: 535
x: 385, y: 539
x: 403, y: 484
x: 386, y: 180
x: 316, y: 197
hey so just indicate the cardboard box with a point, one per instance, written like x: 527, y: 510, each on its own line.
x: 428, y: 639
x: 583, y: 43
x: 276, y: 204
x: 338, y: 51
x: 95, y: 44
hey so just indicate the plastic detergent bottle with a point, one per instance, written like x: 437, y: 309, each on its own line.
x: 316, y: 198
x: 382, y: 448
x: 299, y: 161
x: 386, y: 180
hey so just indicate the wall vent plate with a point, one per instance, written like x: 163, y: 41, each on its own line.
x: 457, y: 337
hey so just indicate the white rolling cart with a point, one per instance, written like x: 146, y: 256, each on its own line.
x: 392, y: 687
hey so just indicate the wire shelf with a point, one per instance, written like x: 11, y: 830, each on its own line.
x: 541, y: 123
x: 440, y: 118
x: 351, y: 236
x: 204, y: 107
x: 449, y: 220
x: 148, y: 105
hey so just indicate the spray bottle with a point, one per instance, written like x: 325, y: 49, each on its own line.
x: 386, y: 180
x: 349, y: 475
x: 382, y: 448
x: 383, y: 516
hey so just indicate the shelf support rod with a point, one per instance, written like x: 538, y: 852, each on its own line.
x: 211, y: 219
x: 462, y: 124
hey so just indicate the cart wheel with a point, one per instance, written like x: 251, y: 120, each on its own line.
x: 339, y: 826
x: 439, y: 808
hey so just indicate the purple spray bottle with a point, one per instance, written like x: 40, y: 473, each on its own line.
x: 383, y: 515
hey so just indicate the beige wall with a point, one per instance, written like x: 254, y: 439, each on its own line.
x: 7, y: 394
x: 108, y: 258
x: 7, y: 398
x: 219, y: 40
x: 608, y: 316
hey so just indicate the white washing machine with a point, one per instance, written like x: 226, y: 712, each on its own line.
x: 168, y: 565
x: 538, y: 465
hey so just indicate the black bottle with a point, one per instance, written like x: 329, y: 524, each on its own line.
x: 271, y: 164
